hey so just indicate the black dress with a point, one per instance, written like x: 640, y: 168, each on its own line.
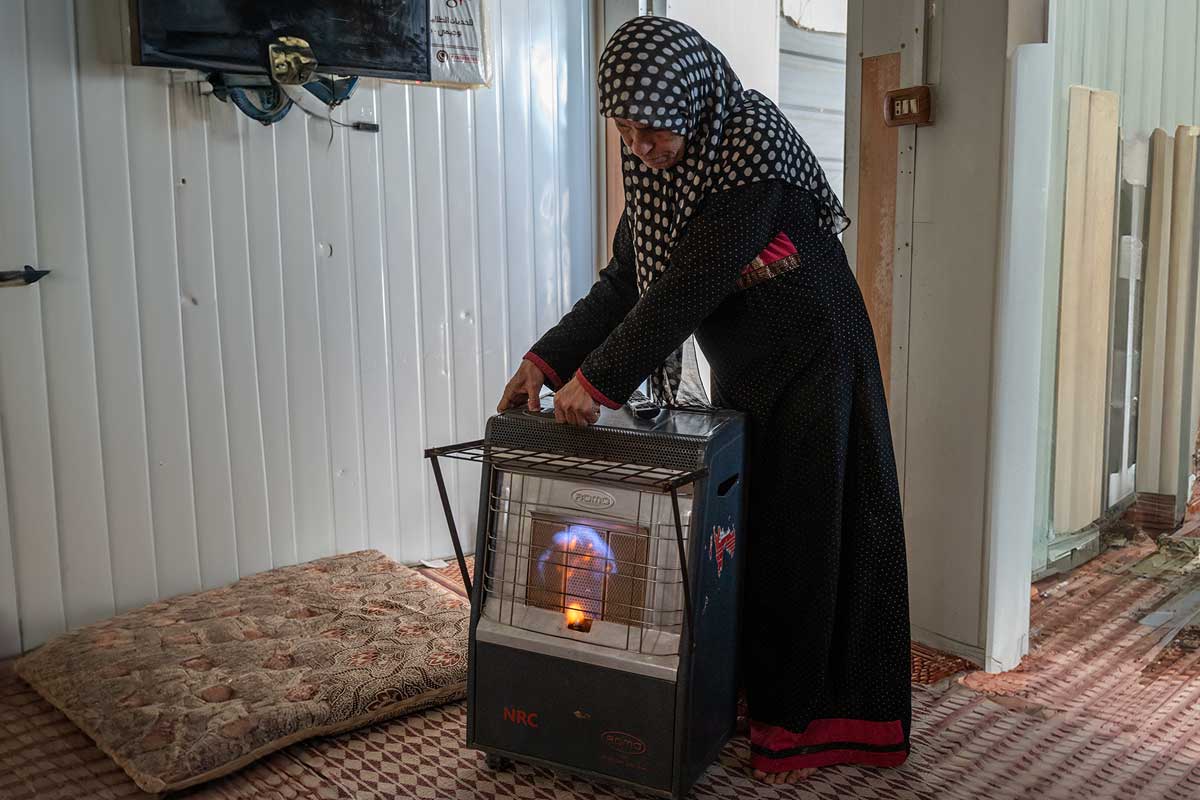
x: 826, y: 628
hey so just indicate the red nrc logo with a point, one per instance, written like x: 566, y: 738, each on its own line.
x: 520, y: 717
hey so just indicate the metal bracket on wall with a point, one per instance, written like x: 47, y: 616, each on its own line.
x: 22, y: 277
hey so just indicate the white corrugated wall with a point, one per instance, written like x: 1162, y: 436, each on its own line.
x: 250, y: 333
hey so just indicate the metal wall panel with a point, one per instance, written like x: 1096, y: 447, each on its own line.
x: 250, y: 334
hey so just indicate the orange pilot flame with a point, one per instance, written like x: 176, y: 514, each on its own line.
x: 574, y: 615
x: 577, y: 620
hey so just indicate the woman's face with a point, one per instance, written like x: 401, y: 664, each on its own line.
x: 656, y: 147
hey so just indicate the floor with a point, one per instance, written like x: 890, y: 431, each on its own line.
x: 1105, y: 706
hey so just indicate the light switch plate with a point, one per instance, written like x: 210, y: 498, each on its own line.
x: 911, y: 106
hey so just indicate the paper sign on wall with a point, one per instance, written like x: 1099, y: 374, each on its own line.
x: 459, y: 45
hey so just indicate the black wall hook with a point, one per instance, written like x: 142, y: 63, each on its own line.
x: 22, y: 277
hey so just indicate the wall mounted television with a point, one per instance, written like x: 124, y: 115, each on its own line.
x: 377, y: 38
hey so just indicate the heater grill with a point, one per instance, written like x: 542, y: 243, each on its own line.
x: 611, y: 579
x: 569, y: 576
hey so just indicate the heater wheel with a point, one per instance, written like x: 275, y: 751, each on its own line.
x: 497, y: 763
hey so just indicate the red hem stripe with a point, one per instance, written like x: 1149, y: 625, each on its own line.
x: 828, y: 758
x: 596, y: 394
x: 827, y: 731
x: 546, y: 369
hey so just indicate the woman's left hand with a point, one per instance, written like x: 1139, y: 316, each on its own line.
x: 574, y: 406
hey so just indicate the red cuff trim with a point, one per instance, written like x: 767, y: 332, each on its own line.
x: 596, y: 394
x: 546, y: 369
x: 780, y: 247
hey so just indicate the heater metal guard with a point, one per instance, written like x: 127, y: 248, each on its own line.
x: 663, y: 480
x: 549, y: 464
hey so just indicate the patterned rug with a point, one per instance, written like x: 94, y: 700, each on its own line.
x: 1044, y: 731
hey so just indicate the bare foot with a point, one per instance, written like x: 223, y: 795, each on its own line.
x: 781, y: 778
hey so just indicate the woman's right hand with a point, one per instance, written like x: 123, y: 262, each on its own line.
x: 525, y: 387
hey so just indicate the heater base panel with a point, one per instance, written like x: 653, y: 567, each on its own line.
x: 591, y: 719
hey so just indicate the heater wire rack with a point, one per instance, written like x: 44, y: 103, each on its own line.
x: 562, y: 465
x: 559, y: 465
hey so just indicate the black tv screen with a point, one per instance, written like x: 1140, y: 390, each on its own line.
x: 380, y: 38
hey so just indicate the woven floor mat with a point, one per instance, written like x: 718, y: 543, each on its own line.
x: 965, y: 746
x: 1021, y: 735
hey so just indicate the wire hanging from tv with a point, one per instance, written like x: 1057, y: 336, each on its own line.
x: 291, y: 79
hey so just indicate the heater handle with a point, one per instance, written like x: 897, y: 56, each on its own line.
x: 458, y: 550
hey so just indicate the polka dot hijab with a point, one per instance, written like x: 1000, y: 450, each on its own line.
x: 661, y: 72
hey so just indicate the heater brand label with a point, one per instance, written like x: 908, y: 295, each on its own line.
x: 593, y: 499
x: 520, y: 716
x: 624, y: 743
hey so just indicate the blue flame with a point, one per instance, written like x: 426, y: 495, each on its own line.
x: 585, y: 549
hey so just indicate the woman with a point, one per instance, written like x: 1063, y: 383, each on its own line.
x: 730, y: 231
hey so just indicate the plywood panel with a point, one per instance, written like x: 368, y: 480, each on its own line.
x: 238, y: 348
x: 1156, y: 278
x: 1074, y: 225
x: 1181, y: 306
x: 113, y: 283
x: 1084, y: 307
x: 876, y: 220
